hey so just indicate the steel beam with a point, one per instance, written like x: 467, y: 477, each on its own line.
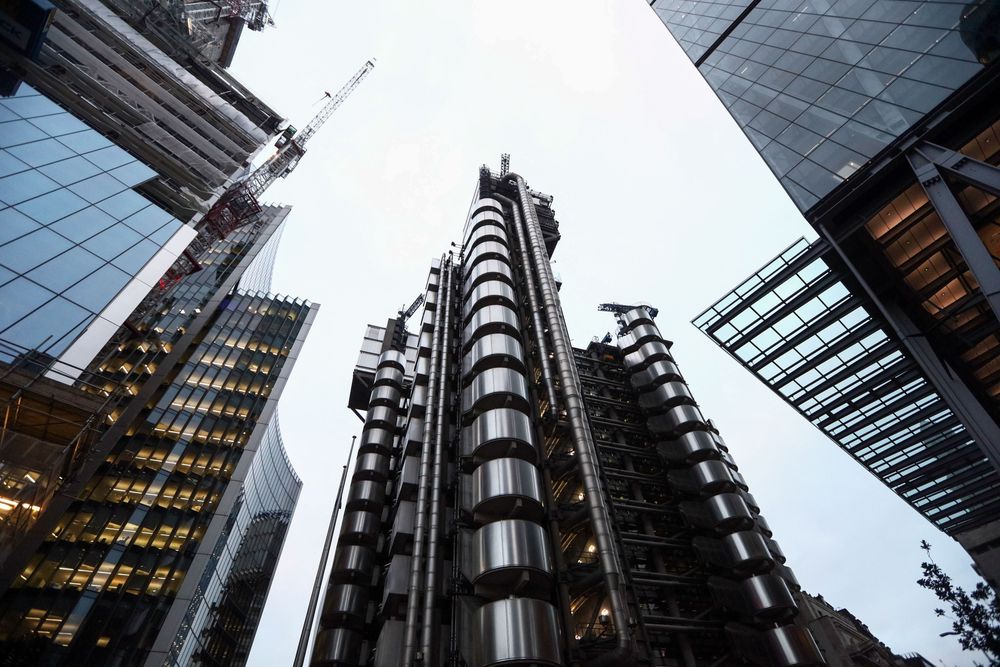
x: 975, y: 172
x: 923, y: 160
x: 955, y: 393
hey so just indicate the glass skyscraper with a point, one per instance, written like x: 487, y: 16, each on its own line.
x: 144, y: 490
x: 879, y: 117
x: 74, y: 233
x: 822, y: 87
x: 140, y: 535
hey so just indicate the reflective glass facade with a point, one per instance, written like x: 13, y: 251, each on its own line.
x: 101, y: 585
x: 73, y: 230
x: 822, y: 86
x: 798, y: 327
x: 219, y: 626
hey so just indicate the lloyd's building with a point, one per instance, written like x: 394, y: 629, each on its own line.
x: 518, y: 501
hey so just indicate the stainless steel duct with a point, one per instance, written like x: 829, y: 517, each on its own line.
x: 429, y: 636
x: 536, y: 316
x: 586, y: 450
x: 413, y: 590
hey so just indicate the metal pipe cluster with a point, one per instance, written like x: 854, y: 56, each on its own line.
x: 509, y: 560
x: 345, y: 607
x: 751, y: 583
x: 432, y: 423
x: 583, y: 441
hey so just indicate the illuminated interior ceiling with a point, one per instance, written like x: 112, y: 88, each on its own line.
x: 915, y: 243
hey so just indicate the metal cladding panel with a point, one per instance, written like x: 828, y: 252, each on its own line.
x: 793, y: 646
x: 499, y: 433
x: 488, y: 320
x: 639, y: 335
x: 762, y: 526
x: 389, y: 374
x: 518, y: 631
x: 775, y: 550
x: 352, y: 560
x: 485, y: 250
x: 373, y: 466
x: 487, y: 232
x: 725, y: 512
x: 414, y: 432
x: 489, y: 269
x: 494, y: 388
x: 486, y: 203
x: 657, y: 373
x: 704, y: 478
x: 385, y: 394
x: 768, y: 597
x: 397, y: 577
x: 690, y: 447
x: 486, y: 217
x: 508, y: 487
x: 494, y: 349
x: 345, y: 605
x: 383, y: 416
x: 508, y: 555
x: 636, y: 316
x: 366, y: 495
x: 377, y: 437
x: 747, y: 550
x: 677, y: 420
x: 655, y: 350
x: 664, y: 396
x: 390, y: 639
x: 418, y: 400
x: 392, y: 358
x: 403, y: 521
x: 490, y: 293
x: 337, y: 646
x: 360, y: 528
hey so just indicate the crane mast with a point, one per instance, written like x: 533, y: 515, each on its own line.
x: 292, y: 145
x: 239, y: 206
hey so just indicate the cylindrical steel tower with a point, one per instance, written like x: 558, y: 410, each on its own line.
x: 517, y: 501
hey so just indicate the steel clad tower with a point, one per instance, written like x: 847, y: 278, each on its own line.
x: 517, y: 501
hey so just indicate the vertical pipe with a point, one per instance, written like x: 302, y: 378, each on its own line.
x: 536, y: 318
x: 413, y: 589
x: 586, y: 450
x: 430, y: 627
x: 301, y: 651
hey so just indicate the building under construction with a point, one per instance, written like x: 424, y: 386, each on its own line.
x: 517, y: 501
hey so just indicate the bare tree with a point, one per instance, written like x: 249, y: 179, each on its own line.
x: 975, y: 616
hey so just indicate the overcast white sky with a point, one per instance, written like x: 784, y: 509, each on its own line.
x: 660, y: 198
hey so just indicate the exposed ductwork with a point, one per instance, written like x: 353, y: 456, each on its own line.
x: 586, y: 451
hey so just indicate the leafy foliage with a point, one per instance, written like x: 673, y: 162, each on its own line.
x: 975, y: 616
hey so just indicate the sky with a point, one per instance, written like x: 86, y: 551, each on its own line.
x: 660, y: 198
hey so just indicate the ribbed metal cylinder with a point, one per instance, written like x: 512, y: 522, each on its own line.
x: 516, y: 631
x: 345, y: 606
x: 735, y: 540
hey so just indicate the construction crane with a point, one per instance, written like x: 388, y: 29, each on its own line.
x: 621, y: 309
x: 254, y: 12
x: 399, y: 329
x: 239, y: 206
x: 406, y: 314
